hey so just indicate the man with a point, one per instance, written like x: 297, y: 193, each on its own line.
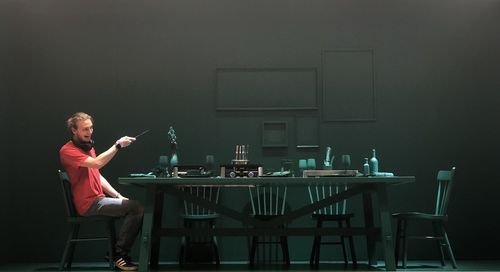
x: 92, y: 193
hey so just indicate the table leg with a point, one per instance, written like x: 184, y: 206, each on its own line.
x: 369, y: 223
x: 147, y: 225
x: 156, y: 231
x: 386, y: 229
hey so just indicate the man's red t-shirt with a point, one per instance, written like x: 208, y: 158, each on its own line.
x: 85, y: 181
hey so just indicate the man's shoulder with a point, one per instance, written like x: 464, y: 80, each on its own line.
x: 67, y: 146
x: 71, y: 149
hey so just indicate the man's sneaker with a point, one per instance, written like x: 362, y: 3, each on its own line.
x: 124, y: 263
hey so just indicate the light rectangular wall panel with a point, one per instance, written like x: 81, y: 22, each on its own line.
x: 266, y: 89
x: 348, y: 85
x: 307, y: 132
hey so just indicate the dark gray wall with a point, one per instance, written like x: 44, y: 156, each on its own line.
x: 4, y: 166
x: 150, y: 64
x: 4, y: 194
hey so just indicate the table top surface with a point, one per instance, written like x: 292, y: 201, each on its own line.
x: 255, y: 181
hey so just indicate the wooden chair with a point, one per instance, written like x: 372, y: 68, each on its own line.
x: 195, y: 216
x: 437, y: 219
x: 75, y: 222
x: 268, y: 203
x: 336, y: 213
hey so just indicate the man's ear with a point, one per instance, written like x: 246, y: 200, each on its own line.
x: 73, y: 130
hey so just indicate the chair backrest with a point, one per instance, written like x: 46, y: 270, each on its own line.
x: 68, y: 197
x: 320, y: 192
x: 269, y: 200
x: 207, y: 193
x: 445, y: 181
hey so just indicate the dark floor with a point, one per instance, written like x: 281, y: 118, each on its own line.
x: 414, y: 266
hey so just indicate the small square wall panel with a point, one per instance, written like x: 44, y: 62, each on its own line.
x: 274, y: 134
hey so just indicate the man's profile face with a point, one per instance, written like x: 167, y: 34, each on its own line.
x: 83, y: 130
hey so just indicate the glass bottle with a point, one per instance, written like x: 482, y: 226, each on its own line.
x: 373, y: 163
x: 366, y: 168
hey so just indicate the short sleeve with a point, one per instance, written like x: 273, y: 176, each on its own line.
x: 71, y: 156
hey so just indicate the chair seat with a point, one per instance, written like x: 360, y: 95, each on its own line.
x: 332, y: 217
x: 420, y: 216
x: 200, y: 216
x: 82, y: 219
x: 265, y: 217
x: 428, y: 237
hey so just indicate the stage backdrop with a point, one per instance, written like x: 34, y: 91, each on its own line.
x: 417, y: 80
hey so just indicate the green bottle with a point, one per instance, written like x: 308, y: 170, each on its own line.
x: 373, y: 163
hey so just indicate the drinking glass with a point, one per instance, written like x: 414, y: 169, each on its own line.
x: 163, y: 165
x: 302, y: 166
x: 210, y: 164
x: 311, y: 164
x: 286, y: 165
x: 346, y: 162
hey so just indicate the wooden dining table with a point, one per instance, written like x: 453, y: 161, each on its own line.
x: 372, y: 189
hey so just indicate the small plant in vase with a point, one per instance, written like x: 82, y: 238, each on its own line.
x: 174, y: 161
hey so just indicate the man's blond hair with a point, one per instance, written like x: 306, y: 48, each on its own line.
x: 75, y: 118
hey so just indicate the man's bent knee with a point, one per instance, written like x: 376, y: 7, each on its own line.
x: 134, y: 206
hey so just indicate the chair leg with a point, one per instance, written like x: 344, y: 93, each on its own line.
x: 71, y: 252
x: 111, y: 243
x: 253, y: 249
x: 284, y: 249
x: 64, y: 257
x: 318, y: 250
x: 182, y: 251
x: 353, y: 252
x: 316, y: 245
x: 448, y: 247
x: 404, y: 234
x: 185, y: 243
x: 319, y: 225
x: 437, y: 233
x: 215, y: 246
x: 351, y: 246
x: 69, y: 248
x: 314, y: 250
x: 441, y: 251
x: 398, y: 239
x: 342, y: 243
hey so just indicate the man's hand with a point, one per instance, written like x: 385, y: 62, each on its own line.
x: 125, y: 141
x: 121, y: 197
